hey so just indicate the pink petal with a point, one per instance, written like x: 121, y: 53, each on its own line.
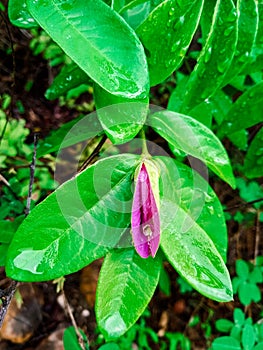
x: 145, y: 219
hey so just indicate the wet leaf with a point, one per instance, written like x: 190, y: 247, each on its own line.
x: 189, y: 248
x: 99, y: 41
x: 19, y: 15
x: 68, y: 78
x: 215, y: 57
x: 249, y: 104
x: 188, y: 135
x: 126, y: 285
x: 247, y: 30
x: 135, y: 12
x: 256, y: 62
x: 194, y: 195
x: 122, y: 118
x: 253, y: 165
x: 77, y: 224
x: 166, y: 35
x: 77, y: 130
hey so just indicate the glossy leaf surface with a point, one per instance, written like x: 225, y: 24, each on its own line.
x: 253, y: 165
x: 256, y: 62
x: 76, y: 224
x: 188, y: 135
x: 194, y: 195
x: 68, y: 78
x: 166, y: 35
x: 126, y: 285
x: 215, y: 57
x: 98, y: 40
x: 189, y: 248
x: 122, y: 118
x: 77, y: 130
x: 135, y: 12
x: 249, y: 104
x: 247, y: 30
x: 19, y: 15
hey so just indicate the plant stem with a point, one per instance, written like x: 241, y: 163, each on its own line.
x: 80, y: 338
x: 93, y: 154
x: 32, y: 176
x: 145, y: 153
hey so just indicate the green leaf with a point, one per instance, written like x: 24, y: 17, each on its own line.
x: 256, y: 63
x: 250, y: 191
x: 215, y: 57
x: 226, y: 343
x: 239, y: 317
x: 3, y: 252
x: 224, y: 325
x: 177, y: 96
x: 109, y: 346
x: 135, y: 12
x: 98, y: 40
x: 255, y: 276
x: 193, y: 138
x: 122, y: 118
x: 197, y: 198
x: 207, y: 18
x: 249, y: 292
x: 118, y: 4
x: 69, y: 77
x: 254, y: 157
x: 258, y: 346
x: 247, y: 30
x: 248, y: 338
x: 249, y: 104
x: 78, y: 223
x: 164, y: 282
x: 77, y: 130
x: 19, y: 15
x: 239, y: 139
x: 126, y: 285
x: 70, y: 340
x: 166, y: 35
x: 8, y: 229
x: 188, y: 247
x: 242, y: 269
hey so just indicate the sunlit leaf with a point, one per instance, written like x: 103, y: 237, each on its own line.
x: 121, y: 118
x: 189, y: 248
x: 247, y: 30
x: 126, y: 285
x: 166, y: 35
x: 85, y: 29
x: 78, y: 223
x: 193, y: 138
x: 215, y: 57
x: 194, y: 195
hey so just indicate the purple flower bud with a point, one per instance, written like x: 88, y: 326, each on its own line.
x: 145, y: 220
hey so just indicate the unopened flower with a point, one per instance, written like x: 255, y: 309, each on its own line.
x: 145, y: 220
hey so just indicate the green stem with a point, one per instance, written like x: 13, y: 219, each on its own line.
x: 145, y: 153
